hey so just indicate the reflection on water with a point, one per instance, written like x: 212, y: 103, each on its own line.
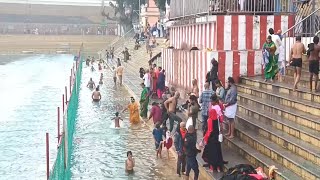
x: 100, y: 150
x: 30, y: 92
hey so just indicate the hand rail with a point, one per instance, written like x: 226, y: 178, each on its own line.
x: 122, y: 37
x: 298, y: 23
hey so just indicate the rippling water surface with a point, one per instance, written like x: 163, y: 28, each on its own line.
x: 100, y: 150
x: 30, y: 92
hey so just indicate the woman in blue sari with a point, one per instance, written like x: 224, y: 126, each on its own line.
x: 270, y: 60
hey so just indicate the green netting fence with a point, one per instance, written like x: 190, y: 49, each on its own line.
x: 61, y: 167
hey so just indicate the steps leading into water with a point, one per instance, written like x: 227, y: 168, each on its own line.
x: 276, y: 125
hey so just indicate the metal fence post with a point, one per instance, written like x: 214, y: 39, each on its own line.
x: 47, y: 155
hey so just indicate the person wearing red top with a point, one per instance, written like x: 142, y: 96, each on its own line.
x: 156, y: 113
x: 212, y: 153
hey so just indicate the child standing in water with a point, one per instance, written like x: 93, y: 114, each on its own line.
x: 114, y: 75
x: 157, y: 135
x: 129, y: 163
x: 117, y: 120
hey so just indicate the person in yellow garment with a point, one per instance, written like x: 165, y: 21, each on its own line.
x: 133, y: 108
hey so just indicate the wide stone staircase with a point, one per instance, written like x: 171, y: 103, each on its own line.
x: 278, y: 126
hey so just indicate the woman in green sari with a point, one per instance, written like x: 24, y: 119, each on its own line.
x: 270, y: 59
x: 144, y: 101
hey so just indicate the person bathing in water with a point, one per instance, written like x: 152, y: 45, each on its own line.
x: 117, y: 120
x: 129, y: 163
x: 114, y: 75
x: 96, y: 96
x: 91, y: 84
x: 101, y: 79
x: 100, y: 67
x: 92, y: 68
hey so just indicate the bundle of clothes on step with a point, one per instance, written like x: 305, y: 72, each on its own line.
x: 247, y: 172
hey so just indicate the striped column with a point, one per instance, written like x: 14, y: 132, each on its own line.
x: 242, y: 32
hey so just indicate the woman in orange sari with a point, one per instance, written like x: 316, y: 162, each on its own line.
x: 133, y: 108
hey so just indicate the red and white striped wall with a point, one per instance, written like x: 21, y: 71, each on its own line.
x: 233, y: 32
x: 194, y: 35
x: 183, y: 66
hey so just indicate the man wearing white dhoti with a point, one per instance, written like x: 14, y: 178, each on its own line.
x: 231, y: 106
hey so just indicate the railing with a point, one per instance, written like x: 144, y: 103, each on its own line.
x: 56, y: 29
x: 307, y: 28
x: 118, y: 43
x: 183, y: 8
x: 61, y: 167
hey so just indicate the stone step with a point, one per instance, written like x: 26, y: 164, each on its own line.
x: 303, y: 83
x: 304, y: 72
x: 286, y: 88
x: 287, y: 134
x: 247, y: 132
x: 282, y: 99
x: 298, y: 117
x: 258, y: 159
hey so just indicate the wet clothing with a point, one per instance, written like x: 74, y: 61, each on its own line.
x: 192, y: 163
x: 271, y: 61
x: 156, y: 114
x: 144, y: 101
x: 96, y: 100
x: 181, y: 163
x: 157, y: 134
x: 130, y: 171
x: 191, y: 154
x: 172, y: 118
x: 314, y: 66
x: 296, y: 62
x: 134, y: 113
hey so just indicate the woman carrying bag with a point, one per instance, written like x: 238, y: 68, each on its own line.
x: 212, y: 153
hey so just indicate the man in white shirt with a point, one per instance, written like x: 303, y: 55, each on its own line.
x: 278, y: 42
x: 147, y: 80
x: 276, y: 39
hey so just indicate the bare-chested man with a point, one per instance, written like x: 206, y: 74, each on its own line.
x: 91, y: 84
x: 171, y: 106
x: 296, y: 60
x: 313, y: 53
x: 96, y: 96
